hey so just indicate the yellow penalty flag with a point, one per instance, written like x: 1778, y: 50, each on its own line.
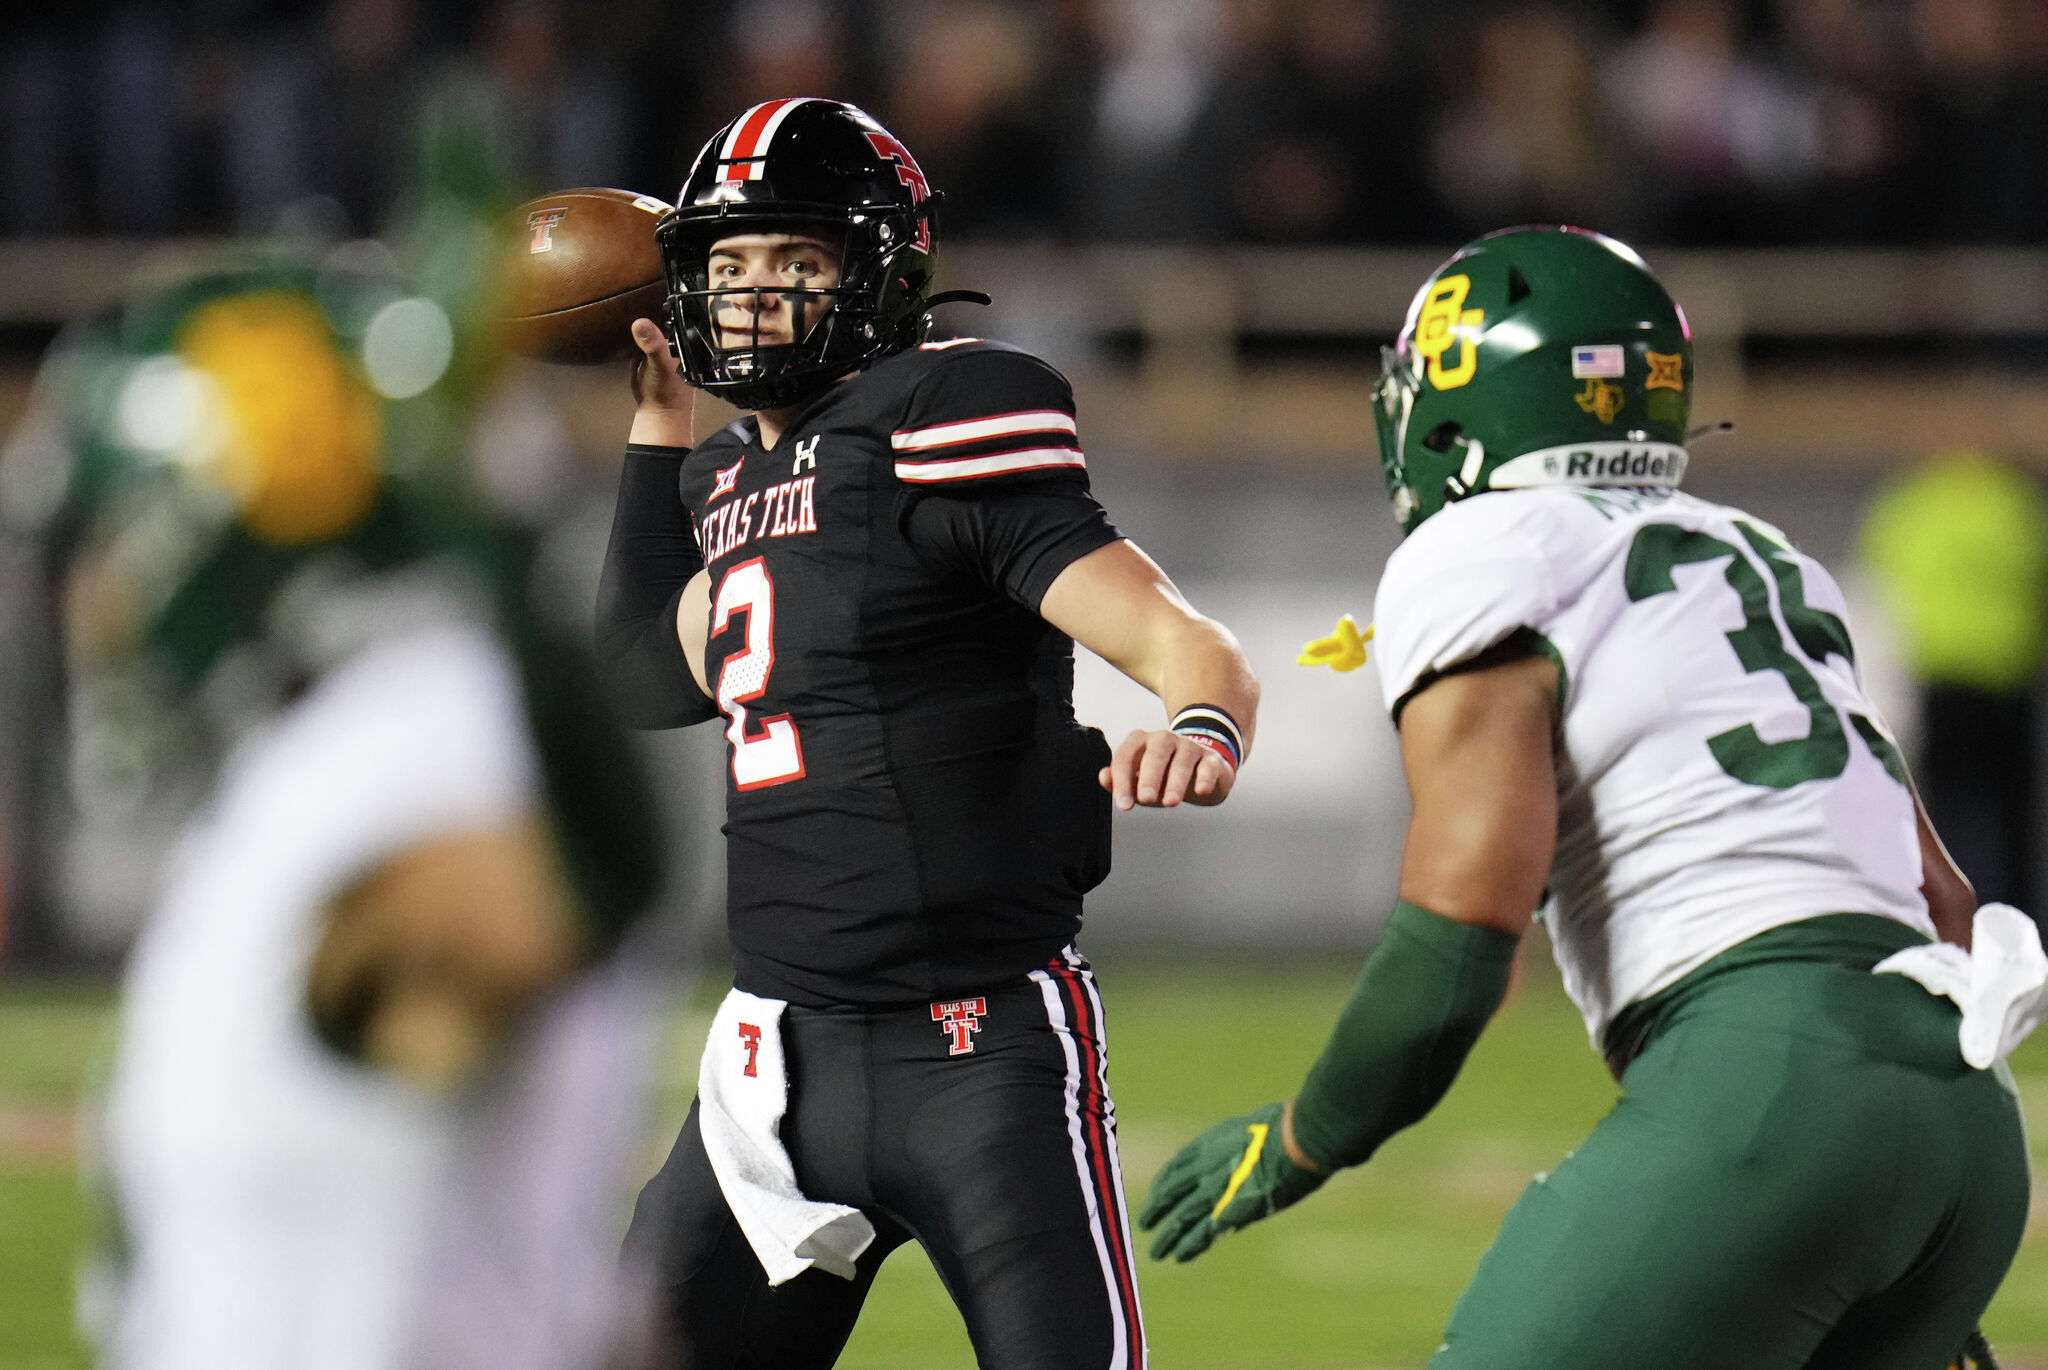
x: 1342, y: 650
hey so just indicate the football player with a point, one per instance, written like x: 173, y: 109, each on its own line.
x: 1642, y: 711
x: 371, y: 982
x: 877, y: 577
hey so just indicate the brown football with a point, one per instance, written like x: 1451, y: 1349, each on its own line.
x: 581, y: 267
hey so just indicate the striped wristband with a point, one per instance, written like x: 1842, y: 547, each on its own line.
x: 1214, y: 729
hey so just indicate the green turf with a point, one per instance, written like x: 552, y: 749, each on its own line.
x: 50, y: 1040
x: 1362, y: 1275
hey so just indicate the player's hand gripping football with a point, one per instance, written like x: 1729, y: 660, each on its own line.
x: 1229, y: 1177
x: 1158, y: 770
x: 662, y: 398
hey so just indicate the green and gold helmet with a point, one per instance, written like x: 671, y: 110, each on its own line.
x: 219, y: 433
x: 246, y: 475
x: 1535, y: 356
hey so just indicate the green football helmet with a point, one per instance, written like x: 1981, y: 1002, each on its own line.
x: 245, y: 482
x: 1534, y: 356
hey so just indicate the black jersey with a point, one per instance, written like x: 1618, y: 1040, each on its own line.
x: 911, y: 806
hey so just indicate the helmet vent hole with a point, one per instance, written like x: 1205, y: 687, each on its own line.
x: 1440, y: 438
x: 1518, y: 286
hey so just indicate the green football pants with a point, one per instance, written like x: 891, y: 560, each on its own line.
x: 1802, y: 1172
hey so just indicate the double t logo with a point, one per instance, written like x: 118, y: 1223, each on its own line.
x: 542, y: 222
x: 750, y: 1037
x: 960, y: 1019
x: 910, y: 174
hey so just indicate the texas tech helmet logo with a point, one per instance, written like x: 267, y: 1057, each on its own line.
x: 960, y: 1019
x: 542, y: 222
x: 908, y: 172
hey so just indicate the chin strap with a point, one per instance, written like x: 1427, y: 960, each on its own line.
x: 956, y: 297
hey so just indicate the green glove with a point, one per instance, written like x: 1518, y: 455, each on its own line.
x: 1229, y: 1177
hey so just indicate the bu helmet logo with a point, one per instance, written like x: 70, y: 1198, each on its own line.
x: 1444, y: 324
x: 960, y: 1019
x: 542, y: 222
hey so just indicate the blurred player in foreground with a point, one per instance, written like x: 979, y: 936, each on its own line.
x: 368, y: 1108
x: 1643, y: 711
x: 878, y: 577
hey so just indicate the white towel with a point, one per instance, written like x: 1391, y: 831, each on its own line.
x: 2001, y: 983
x: 742, y: 1093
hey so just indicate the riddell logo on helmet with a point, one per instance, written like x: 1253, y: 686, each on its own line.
x: 1611, y: 465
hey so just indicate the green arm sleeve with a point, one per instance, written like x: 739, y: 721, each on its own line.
x: 1422, y: 1000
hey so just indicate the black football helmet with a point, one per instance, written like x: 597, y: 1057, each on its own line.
x: 809, y: 163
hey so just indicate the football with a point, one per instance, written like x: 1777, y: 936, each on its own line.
x: 581, y: 266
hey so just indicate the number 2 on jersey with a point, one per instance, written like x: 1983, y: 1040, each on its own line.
x: 1760, y: 646
x: 774, y: 755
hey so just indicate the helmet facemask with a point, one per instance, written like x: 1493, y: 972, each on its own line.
x: 1393, y: 403
x: 834, y: 330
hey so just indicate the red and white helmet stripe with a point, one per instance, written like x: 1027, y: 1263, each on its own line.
x: 743, y: 156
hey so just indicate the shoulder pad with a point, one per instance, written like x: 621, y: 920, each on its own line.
x: 979, y: 410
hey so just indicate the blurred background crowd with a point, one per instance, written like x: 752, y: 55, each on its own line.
x: 1210, y: 214
x: 1329, y: 121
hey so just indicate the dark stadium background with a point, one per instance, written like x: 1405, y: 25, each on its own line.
x: 1210, y: 213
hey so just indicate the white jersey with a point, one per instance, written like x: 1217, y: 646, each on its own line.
x: 279, y: 1197
x: 1722, y: 770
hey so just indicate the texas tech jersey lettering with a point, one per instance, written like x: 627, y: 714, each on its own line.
x: 911, y: 805
x: 776, y: 512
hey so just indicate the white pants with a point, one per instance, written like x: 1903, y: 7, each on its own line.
x: 336, y: 1221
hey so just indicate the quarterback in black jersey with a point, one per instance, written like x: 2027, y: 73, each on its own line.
x: 877, y: 577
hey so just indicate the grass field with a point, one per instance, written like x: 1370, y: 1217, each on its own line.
x: 1362, y: 1275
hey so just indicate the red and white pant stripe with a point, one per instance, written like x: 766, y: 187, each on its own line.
x: 1075, y: 1012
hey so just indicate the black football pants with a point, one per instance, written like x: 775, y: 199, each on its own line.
x: 999, y: 1159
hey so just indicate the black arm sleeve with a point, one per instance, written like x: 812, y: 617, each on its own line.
x: 652, y: 556
x: 1017, y: 537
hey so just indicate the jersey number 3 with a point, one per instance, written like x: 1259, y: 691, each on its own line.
x: 1760, y: 646
x: 773, y: 755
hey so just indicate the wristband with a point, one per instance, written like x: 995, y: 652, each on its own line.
x: 1214, y: 729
